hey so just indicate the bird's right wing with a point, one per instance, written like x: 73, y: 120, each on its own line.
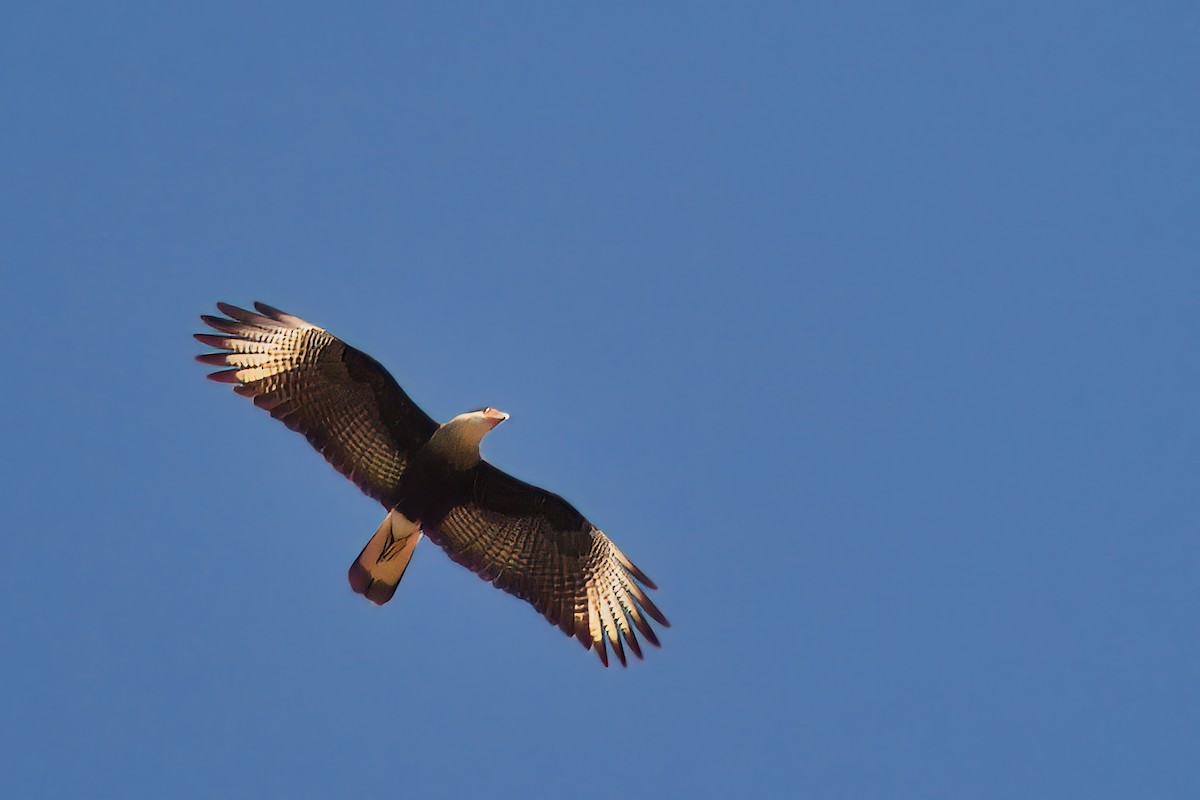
x: 535, y: 545
x: 347, y: 405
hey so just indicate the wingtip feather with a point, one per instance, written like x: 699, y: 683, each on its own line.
x: 633, y: 570
x: 619, y: 650
x: 224, y: 376
x: 632, y: 640
x: 281, y: 317
x: 211, y: 340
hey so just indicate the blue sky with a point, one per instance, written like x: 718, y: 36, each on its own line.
x: 869, y: 330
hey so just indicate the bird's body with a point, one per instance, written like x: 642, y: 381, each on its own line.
x: 432, y: 481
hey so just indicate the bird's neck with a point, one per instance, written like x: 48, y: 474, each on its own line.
x: 457, y: 443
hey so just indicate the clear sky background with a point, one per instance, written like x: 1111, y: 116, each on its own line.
x: 868, y: 329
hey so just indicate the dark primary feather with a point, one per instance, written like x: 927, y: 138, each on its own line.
x: 347, y: 405
x: 535, y: 545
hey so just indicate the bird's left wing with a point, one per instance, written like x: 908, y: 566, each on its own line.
x: 535, y: 545
x: 343, y: 401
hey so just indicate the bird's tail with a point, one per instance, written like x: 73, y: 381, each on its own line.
x: 377, y: 571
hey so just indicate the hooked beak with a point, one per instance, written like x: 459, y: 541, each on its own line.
x: 495, y: 416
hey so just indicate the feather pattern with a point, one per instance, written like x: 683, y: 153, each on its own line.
x: 534, y: 545
x: 347, y: 405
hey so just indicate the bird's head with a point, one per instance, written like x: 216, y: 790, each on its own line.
x: 481, y: 419
x: 491, y: 416
x: 458, y: 440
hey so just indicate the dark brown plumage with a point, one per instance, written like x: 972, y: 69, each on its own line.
x: 527, y: 541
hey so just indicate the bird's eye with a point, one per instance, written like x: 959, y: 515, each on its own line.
x: 487, y: 409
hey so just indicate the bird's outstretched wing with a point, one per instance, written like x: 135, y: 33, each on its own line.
x: 347, y: 405
x: 535, y: 545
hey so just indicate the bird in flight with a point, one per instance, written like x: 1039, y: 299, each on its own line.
x: 432, y: 481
